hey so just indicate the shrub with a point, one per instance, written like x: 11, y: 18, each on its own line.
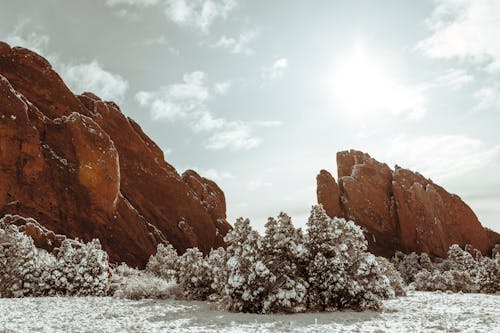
x: 395, y: 280
x: 164, y: 263
x: 76, y: 269
x: 341, y: 273
x: 133, y: 284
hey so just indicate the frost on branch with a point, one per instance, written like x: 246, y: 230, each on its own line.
x: 216, y: 261
x: 194, y: 275
x: 341, y: 273
x: 248, y: 278
x: 75, y: 269
x: 285, y: 257
x: 410, y: 265
x: 395, y: 279
x: 164, y: 263
x: 463, y: 271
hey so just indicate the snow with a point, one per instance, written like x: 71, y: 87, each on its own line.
x: 418, y: 312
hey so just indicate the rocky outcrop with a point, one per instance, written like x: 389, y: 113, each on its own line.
x: 327, y: 192
x: 82, y: 169
x: 400, y: 209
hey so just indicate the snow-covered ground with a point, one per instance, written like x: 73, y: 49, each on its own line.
x: 418, y: 312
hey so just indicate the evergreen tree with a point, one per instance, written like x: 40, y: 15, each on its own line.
x: 164, y: 263
x: 216, y: 261
x: 284, y: 256
x: 77, y: 268
x: 395, y: 280
x: 341, y: 273
x: 18, y: 266
x: 248, y: 277
x: 194, y: 275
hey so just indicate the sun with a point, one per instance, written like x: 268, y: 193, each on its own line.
x: 361, y: 85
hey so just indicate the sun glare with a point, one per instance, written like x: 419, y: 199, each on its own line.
x: 364, y: 87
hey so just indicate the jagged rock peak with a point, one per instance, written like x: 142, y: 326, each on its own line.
x: 399, y: 209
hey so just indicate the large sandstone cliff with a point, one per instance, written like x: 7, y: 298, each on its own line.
x: 399, y: 209
x: 82, y: 169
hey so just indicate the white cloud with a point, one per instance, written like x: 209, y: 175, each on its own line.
x: 79, y: 77
x: 221, y: 88
x: 206, y: 122
x: 488, y: 98
x: 92, y: 77
x: 441, y: 156
x: 34, y: 41
x: 454, y: 78
x: 276, y: 70
x: 238, y: 44
x: 189, y: 100
x: 215, y: 174
x: 465, y: 30
x: 177, y: 100
x: 199, y: 14
x: 235, y: 135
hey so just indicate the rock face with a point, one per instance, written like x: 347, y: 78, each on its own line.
x: 82, y: 169
x: 400, y: 209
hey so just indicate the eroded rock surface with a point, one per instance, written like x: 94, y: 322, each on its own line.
x: 400, y: 210
x: 82, y: 169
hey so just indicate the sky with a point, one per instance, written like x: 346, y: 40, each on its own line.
x: 260, y: 95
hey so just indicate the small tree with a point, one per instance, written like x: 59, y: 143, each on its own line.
x: 77, y: 269
x: 248, y: 277
x: 395, y: 280
x: 341, y: 274
x: 488, y: 277
x: 18, y: 262
x: 284, y: 255
x: 216, y: 261
x: 164, y: 263
x: 194, y: 275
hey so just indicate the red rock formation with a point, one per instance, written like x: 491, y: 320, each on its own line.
x: 400, y: 210
x: 82, y: 169
x: 327, y: 192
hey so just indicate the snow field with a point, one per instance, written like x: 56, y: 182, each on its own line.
x: 418, y: 312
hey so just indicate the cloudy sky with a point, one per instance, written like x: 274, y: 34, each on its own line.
x: 260, y: 95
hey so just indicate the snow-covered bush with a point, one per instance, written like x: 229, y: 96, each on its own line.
x: 410, y: 265
x: 248, y: 278
x: 216, y: 261
x: 463, y: 270
x: 81, y: 269
x: 19, y: 268
x: 134, y: 284
x: 341, y: 273
x: 285, y: 256
x: 488, y: 275
x: 452, y: 280
x: 76, y: 269
x: 200, y: 277
x: 164, y: 262
x: 194, y: 275
x: 395, y: 280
